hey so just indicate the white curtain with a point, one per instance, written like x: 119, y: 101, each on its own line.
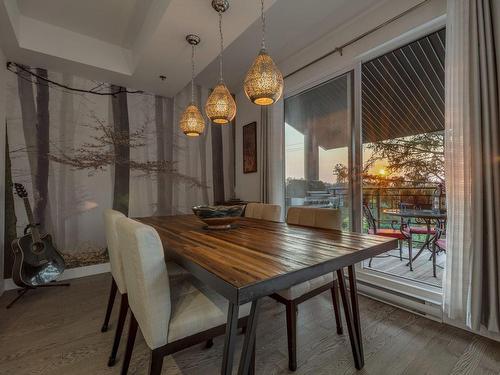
x: 263, y: 140
x: 471, y: 280
x: 193, y: 156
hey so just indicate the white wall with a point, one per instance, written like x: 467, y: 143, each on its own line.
x: 3, y: 74
x: 247, y: 186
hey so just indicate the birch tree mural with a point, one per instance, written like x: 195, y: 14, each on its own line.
x: 81, y: 146
x: 202, y: 139
x: 28, y: 114
x: 10, y: 214
x: 169, y: 143
x: 42, y: 150
x: 164, y: 151
x: 121, y: 145
x: 65, y: 189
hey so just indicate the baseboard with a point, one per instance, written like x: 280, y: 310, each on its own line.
x: 414, y: 305
x: 72, y: 273
x: 423, y: 308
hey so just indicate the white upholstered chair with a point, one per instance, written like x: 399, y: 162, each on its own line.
x: 325, y: 218
x: 117, y: 281
x: 263, y: 211
x: 172, y: 314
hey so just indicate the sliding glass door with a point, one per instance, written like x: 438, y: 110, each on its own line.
x: 318, y: 124
x: 370, y: 143
x: 403, y: 156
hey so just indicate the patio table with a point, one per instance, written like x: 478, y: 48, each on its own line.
x: 427, y: 216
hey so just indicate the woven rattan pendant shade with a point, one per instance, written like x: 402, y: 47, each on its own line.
x: 220, y: 106
x: 192, y: 123
x: 263, y: 83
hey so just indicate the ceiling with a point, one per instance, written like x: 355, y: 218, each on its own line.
x: 132, y: 42
x: 291, y: 26
x: 113, y: 21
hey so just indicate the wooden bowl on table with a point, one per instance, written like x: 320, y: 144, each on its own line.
x: 218, y: 217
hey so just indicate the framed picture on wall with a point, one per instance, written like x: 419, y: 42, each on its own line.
x: 250, y: 148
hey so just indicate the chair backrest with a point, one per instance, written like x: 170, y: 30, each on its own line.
x: 327, y: 218
x: 263, y: 211
x: 114, y: 251
x: 440, y: 229
x: 369, y: 217
x: 147, y: 281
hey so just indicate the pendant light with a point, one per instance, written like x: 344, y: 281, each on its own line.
x: 192, y: 122
x: 263, y: 83
x: 220, y: 107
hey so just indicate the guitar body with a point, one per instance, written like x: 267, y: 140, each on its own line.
x: 35, y: 265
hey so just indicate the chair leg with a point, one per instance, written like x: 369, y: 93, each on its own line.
x: 434, y: 259
x: 336, y: 307
x: 291, y: 326
x: 119, y: 329
x: 410, y: 254
x: 130, y: 343
x: 111, y: 301
x: 370, y: 262
x: 156, y: 362
x: 209, y: 343
x: 400, y: 250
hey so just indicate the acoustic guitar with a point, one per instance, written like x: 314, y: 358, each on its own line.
x: 36, y: 260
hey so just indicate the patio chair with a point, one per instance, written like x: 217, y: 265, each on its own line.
x: 438, y: 245
x: 400, y: 233
x: 418, y: 227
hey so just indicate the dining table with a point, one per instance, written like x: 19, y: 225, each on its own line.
x: 258, y: 258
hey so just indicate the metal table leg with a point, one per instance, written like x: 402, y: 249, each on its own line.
x: 353, y: 289
x: 352, y: 317
x: 427, y: 242
x: 248, y: 350
x: 230, y: 339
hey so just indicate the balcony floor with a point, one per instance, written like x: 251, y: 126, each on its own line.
x: 422, y: 266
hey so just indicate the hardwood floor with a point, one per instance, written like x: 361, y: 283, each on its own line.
x: 57, y: 331
x: 422, y: 266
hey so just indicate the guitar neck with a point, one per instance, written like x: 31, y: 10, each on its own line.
x: 35, y: 233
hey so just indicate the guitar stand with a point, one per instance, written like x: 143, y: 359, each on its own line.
x: 22, y: 292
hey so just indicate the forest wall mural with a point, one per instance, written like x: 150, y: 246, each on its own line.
x: 80, y: 146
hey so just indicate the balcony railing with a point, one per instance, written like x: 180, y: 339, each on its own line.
x: 377, y: 198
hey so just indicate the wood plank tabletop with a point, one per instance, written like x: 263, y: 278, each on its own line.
x: 260, y: 257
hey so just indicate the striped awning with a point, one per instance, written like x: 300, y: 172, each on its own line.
x: 402, y: 95
x: 403, y: 90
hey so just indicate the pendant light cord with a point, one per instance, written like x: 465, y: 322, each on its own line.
x: 263, y: 19
x: 221, y: 46
x: 192, y: 73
